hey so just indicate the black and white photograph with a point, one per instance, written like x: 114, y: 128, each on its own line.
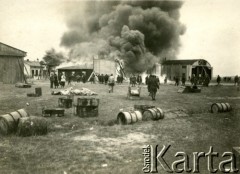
x: 119, y: 86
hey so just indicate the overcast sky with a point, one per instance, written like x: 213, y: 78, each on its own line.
x: 213, y: 30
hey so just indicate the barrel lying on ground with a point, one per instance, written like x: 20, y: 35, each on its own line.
x: 32, y: 125
x: 129, y: 117
x: 153, y: 114
x: 9, y: 122
x: 220, y: 107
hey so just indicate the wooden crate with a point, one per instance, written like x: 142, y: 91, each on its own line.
x: 38, y: 91
x: 87, y: 101
x: 86, y: 111
x: 48, y: 112
x: 64, y: 102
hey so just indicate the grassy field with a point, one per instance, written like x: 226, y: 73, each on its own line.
x: 98, y: 145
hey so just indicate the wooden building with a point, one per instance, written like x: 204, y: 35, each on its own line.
x: 11, y: 64
x: 76, y: 70
x: 186, y: 68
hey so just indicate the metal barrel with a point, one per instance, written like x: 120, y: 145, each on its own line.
x: 220, y: 107
x: 129, y: 117
x: 9, y: 122
x: 153, y: 114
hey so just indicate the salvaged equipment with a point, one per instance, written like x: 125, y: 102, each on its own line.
x: 220, y: 107
x: 134, y: 92
x: 86, y: 107
x: 9, y: 122
x: 129, y: 117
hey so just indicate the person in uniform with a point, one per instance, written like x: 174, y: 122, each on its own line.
x: 153, y: 86
x: 111, y: 83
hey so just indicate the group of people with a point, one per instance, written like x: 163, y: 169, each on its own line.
x: 56, y: 80
x: 103, y: 79
x: 135, y: 80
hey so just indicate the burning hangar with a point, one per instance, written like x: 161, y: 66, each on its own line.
x: 11, y: 64
x: 186, y: 68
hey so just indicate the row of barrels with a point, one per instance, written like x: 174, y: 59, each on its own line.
x: 21, y: 123
x: 130, y: 117
x: 9, y: 122
x: 152, y: 113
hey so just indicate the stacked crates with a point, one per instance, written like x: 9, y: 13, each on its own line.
x: 86, y: 107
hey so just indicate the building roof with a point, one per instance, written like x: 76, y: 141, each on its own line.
x: 181, y: 62
x: 77, y: 67
x: 6, y: 50
x: 33, y: 63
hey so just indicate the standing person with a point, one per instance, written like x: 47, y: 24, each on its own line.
x: 59, y: 78
x: 183, y: 80
x: 165, y: 80
x: 106, y: 78
x: 55, y: 80
x: 206, y: 80
x: 236, y: 80
x: 84, y: 78
x: 121, y: 79
x: 158, y: 80
x: 176, y: 81
x: 63, y: 80
x: 118, y: 79
x: 146, y: 80
x: 134, y: 81
x: 69, y: 79
x: 111, y: 83
x: 218, y: 80
x: 153, y: 86
x: 51, y: 80
x: 78, y: 78
x: 139, y: 79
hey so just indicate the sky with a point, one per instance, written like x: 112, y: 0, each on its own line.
x: 212, y: 30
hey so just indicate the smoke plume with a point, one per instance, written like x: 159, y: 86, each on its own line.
x: 141, y: 33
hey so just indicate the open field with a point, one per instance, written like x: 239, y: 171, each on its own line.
x: 86, y: 145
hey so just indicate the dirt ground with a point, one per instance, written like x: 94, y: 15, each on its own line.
x: 98, y: 145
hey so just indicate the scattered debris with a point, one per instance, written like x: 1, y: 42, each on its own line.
x: 104, y: 165
x: 22, y: 85
x: 69, y: 91
x: 189, y: 89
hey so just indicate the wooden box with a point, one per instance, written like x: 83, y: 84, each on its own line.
x: 86, y: 111
x: 65, y: 102
x: 87, y: 101
x: 53, y: 111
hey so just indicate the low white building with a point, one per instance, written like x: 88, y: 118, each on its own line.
x: 33, y: 69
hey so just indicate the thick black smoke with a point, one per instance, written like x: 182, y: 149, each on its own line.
x: 141, y: 32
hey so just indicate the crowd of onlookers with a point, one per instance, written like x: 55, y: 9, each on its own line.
x: 61, y: 79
